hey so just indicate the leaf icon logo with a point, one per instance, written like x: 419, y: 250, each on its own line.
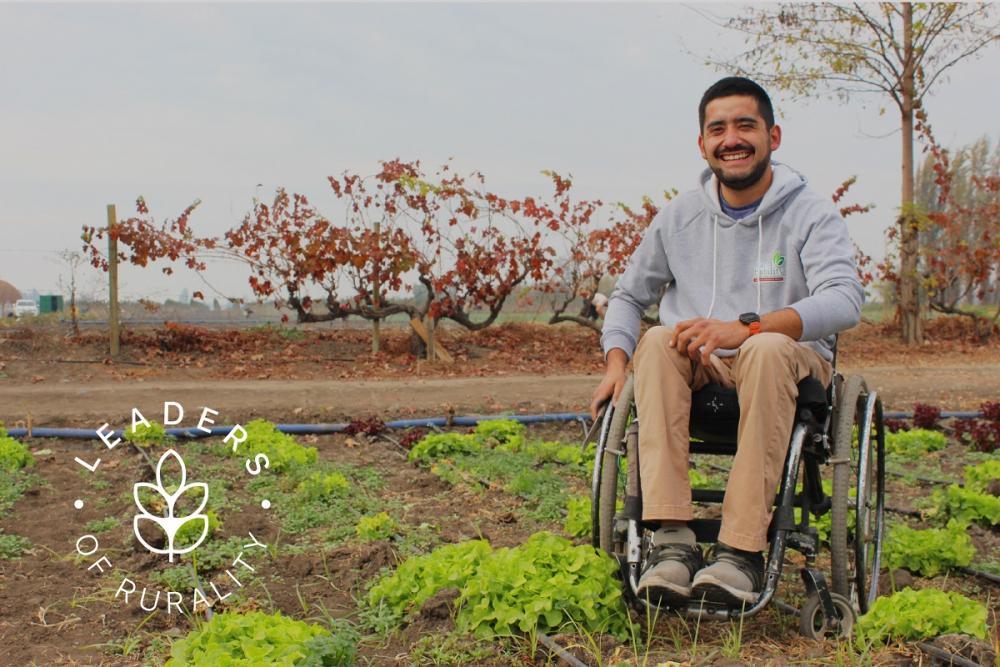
x: 166, y: 520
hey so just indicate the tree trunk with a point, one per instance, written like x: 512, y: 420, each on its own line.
x: 909, y: 289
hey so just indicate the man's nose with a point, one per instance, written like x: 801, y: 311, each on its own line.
x: 732, y: 138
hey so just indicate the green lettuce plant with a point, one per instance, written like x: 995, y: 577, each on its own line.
x: 577, y: 523
x: 320, y: 485
x: 979, y: 477
x: 379, y: 526
x: 144, y: 436
x: 929, y: 552
x: 913, y: 443
x: 190, y: 531
x: 493, y: 432
x: 253, y: 639
x: 14, y: 454
x: 440, y: 445
x: 964, y: 505
x: 418, y: 578
x: 282, y: 451
x: 698, y: 480
x: 547, y: 583
x: 912, y: 615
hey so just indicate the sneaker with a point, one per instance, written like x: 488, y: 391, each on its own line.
x: 672, y: 562
x: 733, y: 577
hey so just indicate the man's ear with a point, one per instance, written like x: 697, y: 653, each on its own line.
x: 701, y: 147
x: 775, y: 137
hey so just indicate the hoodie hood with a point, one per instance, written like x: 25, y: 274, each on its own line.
x: 785, y: 182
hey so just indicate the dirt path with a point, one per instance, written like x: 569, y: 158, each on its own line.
x: 87, y: 404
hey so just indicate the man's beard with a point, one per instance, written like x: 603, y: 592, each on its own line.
x: 744, y: 182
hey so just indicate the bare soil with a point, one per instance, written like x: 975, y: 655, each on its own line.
x: 331, y: 375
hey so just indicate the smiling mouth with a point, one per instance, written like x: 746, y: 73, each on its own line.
x: 732, y: 157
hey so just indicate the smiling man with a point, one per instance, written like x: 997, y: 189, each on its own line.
x: 754, y: 274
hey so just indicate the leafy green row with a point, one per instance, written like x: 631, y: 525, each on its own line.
x: 929, y: 552
x: 546, y: 583
x: 914, y: 443
x: 246, y: 640
x: 912, y: 615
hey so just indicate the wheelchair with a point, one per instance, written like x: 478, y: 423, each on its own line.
x: 838, y: 427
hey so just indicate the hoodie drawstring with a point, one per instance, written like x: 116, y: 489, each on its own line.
x: 760, y: 238
x: 715, y: 254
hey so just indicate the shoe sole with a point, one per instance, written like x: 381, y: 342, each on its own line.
x: 664, y: 596
x: 710, y: 589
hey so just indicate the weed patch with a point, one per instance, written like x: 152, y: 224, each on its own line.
x: 12, y: 546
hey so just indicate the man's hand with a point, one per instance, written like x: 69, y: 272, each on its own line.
x: 698, y: 337
x: 614, y: 380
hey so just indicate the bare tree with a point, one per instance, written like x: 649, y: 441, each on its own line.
x: 72, y: 259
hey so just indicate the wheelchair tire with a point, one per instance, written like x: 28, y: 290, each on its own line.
x: 811, y: 618
x: 858, y: 463
x: 610, y: 468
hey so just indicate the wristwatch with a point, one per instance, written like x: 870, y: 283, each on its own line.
x: 752, y: 320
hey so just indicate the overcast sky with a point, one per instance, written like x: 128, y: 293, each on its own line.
x: 102, y: 103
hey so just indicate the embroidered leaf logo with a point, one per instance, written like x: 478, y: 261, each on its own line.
x: 778, y: 258
x: 162, y: 510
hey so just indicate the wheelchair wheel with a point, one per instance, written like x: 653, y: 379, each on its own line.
x: 856, y: 521
x: 811, y: 623
x: 611, y: 486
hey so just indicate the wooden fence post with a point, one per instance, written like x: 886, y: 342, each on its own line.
x: 114, y: 327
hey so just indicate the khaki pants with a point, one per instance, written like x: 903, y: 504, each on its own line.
x: 765, y: 373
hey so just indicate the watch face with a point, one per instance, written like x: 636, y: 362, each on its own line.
x: 747, y: 318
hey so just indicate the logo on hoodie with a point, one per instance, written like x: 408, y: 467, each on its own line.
x: 771, y: 270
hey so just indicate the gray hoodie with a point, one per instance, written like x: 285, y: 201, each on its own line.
x: 698, y: 262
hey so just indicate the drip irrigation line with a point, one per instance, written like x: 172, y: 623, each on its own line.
x: 988, y: 576
x: 929, y: 480
x: 559, y: 651
x: 784, y: 607
x: 948, y: 657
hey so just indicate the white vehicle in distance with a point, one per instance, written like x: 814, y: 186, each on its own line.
x: 24, y: 307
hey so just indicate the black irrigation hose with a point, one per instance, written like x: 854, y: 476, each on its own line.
x: 559, y: 651
x: 988, y: 576
x: 948, y: 657
x: 929, y: 480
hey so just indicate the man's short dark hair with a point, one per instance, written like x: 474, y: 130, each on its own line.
x: 737, y: 85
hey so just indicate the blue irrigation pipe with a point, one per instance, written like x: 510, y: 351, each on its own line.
x: 944, y: 415
x: 305, y: 429
x: 428, y: 422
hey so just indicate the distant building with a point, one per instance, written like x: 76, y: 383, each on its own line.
x: 8, y: 295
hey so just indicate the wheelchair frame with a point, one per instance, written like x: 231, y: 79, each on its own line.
x: 841, y: 426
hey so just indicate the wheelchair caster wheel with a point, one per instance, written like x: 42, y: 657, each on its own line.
x: 813, y: 625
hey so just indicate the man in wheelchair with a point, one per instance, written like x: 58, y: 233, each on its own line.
x: 754, y: 275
